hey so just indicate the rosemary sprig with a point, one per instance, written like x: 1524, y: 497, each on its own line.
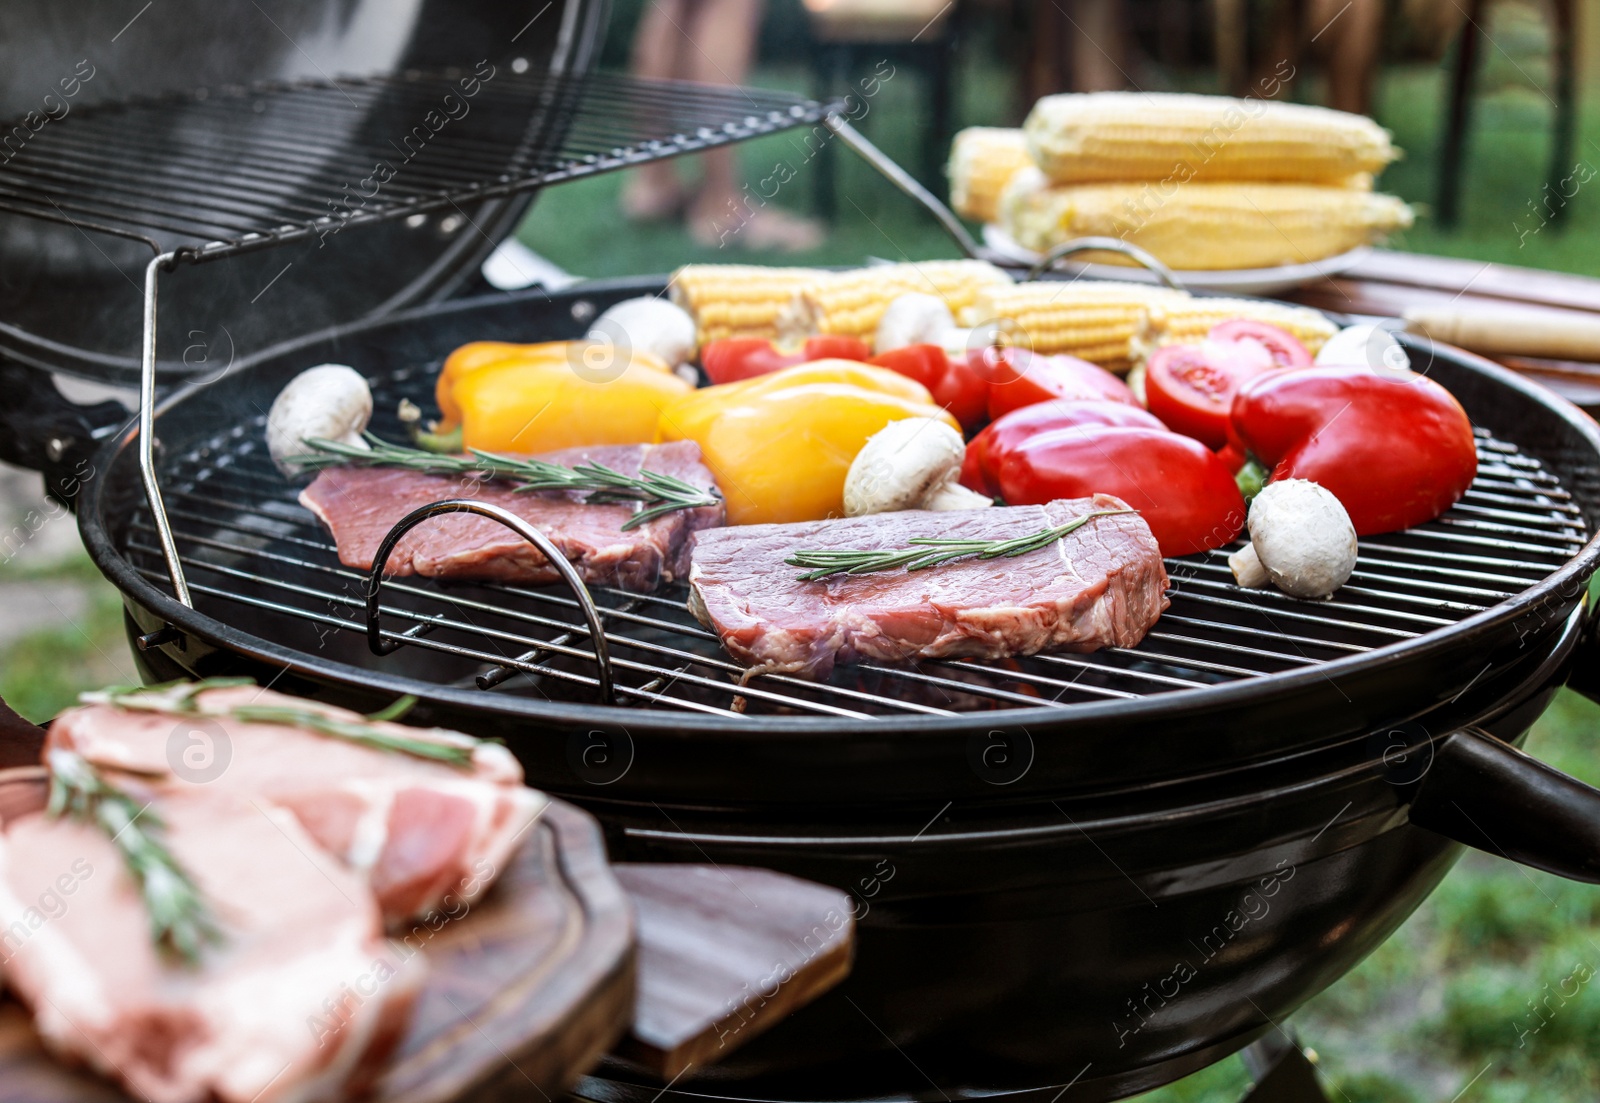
x: 180, y: 922
x: 931, y: 551
x: 603, y: 485
x: 182, y: 698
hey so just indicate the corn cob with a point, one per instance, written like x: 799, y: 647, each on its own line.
x: 1189, y: 322
x: 1203, y: 226
x: 851, y: 303
x: 1090, y: 319
x: 727, y: 300
x: 1133, y: 136
x: 983, y: 159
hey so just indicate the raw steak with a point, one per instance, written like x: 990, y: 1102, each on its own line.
x: 418, y: 833
x: 1100, y: 586
x: 302, y: 1000
x: 360, y: 505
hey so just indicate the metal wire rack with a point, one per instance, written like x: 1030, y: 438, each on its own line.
x: 209, y: 173
x: 250, y: 546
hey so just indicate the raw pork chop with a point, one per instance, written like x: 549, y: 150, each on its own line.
x: 415, y: 830
x: 1100, y: 586
x: 361, y: 504
x: 302, y: 1000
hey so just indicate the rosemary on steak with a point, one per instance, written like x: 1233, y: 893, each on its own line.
x: 928, y: 552
x: 659, y: 492
x: 180, y: 922
x: 182, y: 698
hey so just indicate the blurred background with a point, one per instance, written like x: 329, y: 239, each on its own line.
x: 1491, y: 101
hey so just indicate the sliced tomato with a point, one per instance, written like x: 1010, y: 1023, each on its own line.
x: 1018, y: 378
x: 1281, y: 345
x: 1191, y: 387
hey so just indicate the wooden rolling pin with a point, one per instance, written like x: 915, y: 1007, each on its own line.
x: 1564, y: 335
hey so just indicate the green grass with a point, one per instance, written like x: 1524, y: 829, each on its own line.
x: 43, y: 672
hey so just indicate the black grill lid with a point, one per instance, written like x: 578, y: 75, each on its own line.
x: 73, y: 155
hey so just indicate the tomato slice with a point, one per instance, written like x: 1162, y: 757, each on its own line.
x: 1191, y: 387
x: 1281, y: 345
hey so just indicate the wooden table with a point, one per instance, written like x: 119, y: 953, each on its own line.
x: 1385, y: 283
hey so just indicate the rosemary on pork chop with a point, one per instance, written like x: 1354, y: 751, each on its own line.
x: 661, y: 493
x: 928, y: 552
x: 180, y: 922
x: 182, y: 698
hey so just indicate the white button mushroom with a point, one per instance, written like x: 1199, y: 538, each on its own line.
x: 329, y: 401
x: 1372, y: 345
x: 648, y: 324
x: 912, y: 463
x: 1302, y: 537
x: 913, y: 319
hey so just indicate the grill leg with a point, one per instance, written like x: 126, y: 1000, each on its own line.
x: 1281, y: 1071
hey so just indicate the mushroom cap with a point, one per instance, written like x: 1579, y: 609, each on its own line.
x: 1372, y: 345
x: 914, y: 318
x: 650, y: 324
x: 331, y: 401
x: 902, y: 464
x: 1303, y: 537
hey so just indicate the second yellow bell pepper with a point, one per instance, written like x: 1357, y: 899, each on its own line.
x: 781, y: 444
x: 477, y: 356
x: 541, y: 405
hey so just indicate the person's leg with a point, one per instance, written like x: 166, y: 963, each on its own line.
x: 1353, y: 55
x: 721, y: 47
x: 659, y: 48
x: 722, y: 36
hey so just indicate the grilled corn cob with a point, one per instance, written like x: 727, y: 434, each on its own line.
x: 743, y: 300
x: 1090, y: 319
x: 1187, y: 322
x: 851, y: 303
x: 1203, y: 226
x: 983, y: 159
x: 1133, y: 136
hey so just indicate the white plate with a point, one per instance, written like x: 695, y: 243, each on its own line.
x: 1234, y: 281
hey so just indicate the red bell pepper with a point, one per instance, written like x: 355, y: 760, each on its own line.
x: 731, y: 359
x: 1184, y: 493
x: 954, y: 383
x: 1396, y: 450
x: 1018, y: 378
x: 1030, y: 421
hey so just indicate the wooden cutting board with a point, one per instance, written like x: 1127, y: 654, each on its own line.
x: 524, y: 994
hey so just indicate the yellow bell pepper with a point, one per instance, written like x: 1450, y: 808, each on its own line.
x: 780, y: 448
x: 478, y: 355
x: 541, y: 404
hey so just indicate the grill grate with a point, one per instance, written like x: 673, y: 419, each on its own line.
x: 255, y: 556
x: 219, y: 171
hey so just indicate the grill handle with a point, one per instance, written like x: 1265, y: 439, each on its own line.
x: 1490, y: 796
x: 563, y: 566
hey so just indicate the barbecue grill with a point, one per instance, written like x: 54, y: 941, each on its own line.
x: 1076, y: 876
